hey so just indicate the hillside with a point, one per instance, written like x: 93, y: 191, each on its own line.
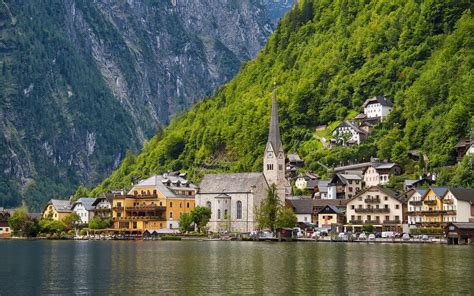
x: 82, y: 82
x: 327, y: 58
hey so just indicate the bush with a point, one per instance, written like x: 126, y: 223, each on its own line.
x: 171, y: 238
x: 427, y: 230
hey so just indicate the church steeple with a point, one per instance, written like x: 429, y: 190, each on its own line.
x: 274, y: 132
x: 274, y: 157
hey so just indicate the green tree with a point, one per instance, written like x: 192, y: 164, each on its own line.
x: 81, y: 191
x: 72, y: 220
x: 286, y: 218
x: 99, y: 223
x: 201, y: 216
x: 18, y: 222
x: 368, y: 228
x: 269, y: 208
x: 185, y: 220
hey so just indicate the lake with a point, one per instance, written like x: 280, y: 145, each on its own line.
x: 218, y: 267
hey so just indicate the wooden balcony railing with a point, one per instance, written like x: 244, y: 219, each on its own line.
x: 430, y: 202
x: 448, y: 201
x: 356, y: 222
x: 372, y: 210
x: 372, y: 200
x: 416, y: 203
x: 372, y: 221
x: 139, y: 218
x: 147, y: 208
x: 391, y: 222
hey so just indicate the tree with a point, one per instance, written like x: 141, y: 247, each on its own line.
x: 185, y: 220
x: 269, y: 208
x: 72, y: 220
x: 368, y: 228
x: 286, y: 218
x: 99, y: 223
x: 18, y: 222
x: 81, y: 191
x: 201, y: 216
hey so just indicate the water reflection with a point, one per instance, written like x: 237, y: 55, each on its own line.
x: 56, y: 267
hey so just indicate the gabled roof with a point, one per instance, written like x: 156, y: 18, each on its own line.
x: 463, y: 142
x: 165, y: 183
x: 323, y: 185
x: 387, y: 191
x: 331, y: 208
x: 378, y: 99
x: 294, y: 157
x: 230, y: 183
x: 344, y: 178
x: 61, y: 206
x: 439, y: 191
x: 301, y: 206
x: 86, y: 201
x: 464, y: 194
x: 100, y: 199
x: 352, y: 125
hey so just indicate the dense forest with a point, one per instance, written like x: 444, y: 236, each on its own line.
x: 327, y: 57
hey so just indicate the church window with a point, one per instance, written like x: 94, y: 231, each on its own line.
x: 280, y: 167
x: 269, y: 167
x: 225, y: 214
x: 208, y: 205
x: 218, y: 213
x: 239, y: 209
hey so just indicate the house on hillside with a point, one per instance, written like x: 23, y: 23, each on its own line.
x: 458, y: 205
x: 378, y: 107
x: 344, y: 186
x: 102, y: 207
x: 379, y: 173
x: 84, y: 208
x: 321, y: 189
x: 307, y: 181
x: 348, y: 133
x: 463, y: 147
x: 57, y: 209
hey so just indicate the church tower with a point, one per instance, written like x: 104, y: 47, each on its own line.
x: 274, y: 158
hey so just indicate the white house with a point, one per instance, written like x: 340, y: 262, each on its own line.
x: 303, y: 208
x: 232, y: 199
x: 307, y: 181
x: 377, y: 107
x: 84, y: 208
x: 344, y: 186
x: 458, y: 204
x: 348, y: 133
x: 102, y: 207
x: 379, y: 173
x: 381, y: 207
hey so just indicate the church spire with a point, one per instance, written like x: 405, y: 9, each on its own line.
x: 274, y: 131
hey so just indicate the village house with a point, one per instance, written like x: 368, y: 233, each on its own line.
x: 377, y: 107
x: 102, y: 207
x: 321, y: 189
x: 154, y: 204
x: 463, y: 147
x: 379, y: 173
x: 294, y: 160
x: 348, y: 133
x: 84, y: 208
x: 57, y: 209
x: 5, y: 231
x: 307, y: 181
x: 302, y: 207
x: 331, y: 218
x: 345, y: 186
x: 458, y: 205
x: 232, y: 199
x: 426, y: 211
x: 415, y: 183
x: 459, y: 233
x: 381, y: 207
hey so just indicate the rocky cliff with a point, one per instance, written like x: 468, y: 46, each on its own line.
x: 84, y: 81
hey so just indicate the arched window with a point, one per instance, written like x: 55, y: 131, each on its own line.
x: 208, y: 205
x: 239, y: 209
x: 218, y: 213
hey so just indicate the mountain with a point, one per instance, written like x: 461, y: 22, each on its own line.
x: 327, y: 58
x: 277, y: 8
x: 84, y: 81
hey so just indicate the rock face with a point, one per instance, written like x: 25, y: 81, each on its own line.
x: 84, y: 81
x: 275, y: 9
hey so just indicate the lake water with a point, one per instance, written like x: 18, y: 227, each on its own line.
x: 193, y: 267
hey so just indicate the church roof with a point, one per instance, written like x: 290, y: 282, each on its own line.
x: 229, y: 183
x: 274, y: 132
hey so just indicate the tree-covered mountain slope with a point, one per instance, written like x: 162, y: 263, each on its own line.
x: 327, y: 58
x: 82, y: 82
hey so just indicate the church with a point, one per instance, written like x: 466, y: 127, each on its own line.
x: 233, y: 198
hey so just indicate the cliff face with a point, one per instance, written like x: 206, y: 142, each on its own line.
x: 84, y: 81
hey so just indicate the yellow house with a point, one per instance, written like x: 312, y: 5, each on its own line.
x: 432, y: 206
x: 330, y: 216
x: 154, y: 204
x: 56, y: 209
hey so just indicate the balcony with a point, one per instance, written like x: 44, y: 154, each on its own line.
x: 147, y: 208
x: 372, y: 222
x: 451, y: 212
x: 416, y: 203
x: 430, y: 202
x: 356, y: 222
x: 139, y: 218
x: 433, y: 212
x: 372, y: 210
x: 392, y: 222
x: 448, y: 201
x: 118, y: 208
x: 372, y: 200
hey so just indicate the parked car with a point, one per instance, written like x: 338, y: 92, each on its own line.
x: 406, y: 237
x: 388, y: 234
x: 362, y: 236
x: 299, y: 232
x: 424, y: 237
x: 371, y: 237
x: 378, y: 235
x: 343, y: 236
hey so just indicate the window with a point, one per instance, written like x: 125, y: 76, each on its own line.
x: 187, y: 205
x: 360, y: 206
x: 171, y: 215
x: 134, y: 225
x: 171, y: 226
x: 269, y: 167
x: 280, y: 167
x: 387, y: 218
x: 352, y: 217
x: 352, y: 207
x: 208, y: 205
x: 218, y: 213
x: 225, y: 214
x: 180, y: 205
x: 385, y: 198
x: 305, y: 219
x: 239, y: 209
x: 386, y: 206
x: 171, y: 204
x: 350, y: 189
x: 397, y: 207
x: 360, y: 198
x: 119, y: 215
x: 377, y: 218
x: 161, y: 204
x: 161, y: 225
x: 397, y: 218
